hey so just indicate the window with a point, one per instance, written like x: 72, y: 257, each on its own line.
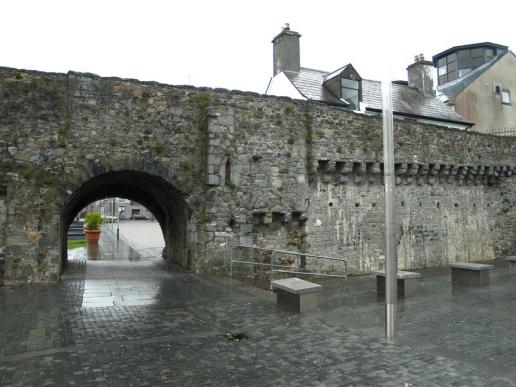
x: 447, y: 68
x: 506, y: 97
x: 350, y: 91
x: 477, y: 53
x: 463, y: 72
x: 462, y: 62
x: 476, y: 62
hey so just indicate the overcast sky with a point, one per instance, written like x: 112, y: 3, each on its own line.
x: 227, y: 44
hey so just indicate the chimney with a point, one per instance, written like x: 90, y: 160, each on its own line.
x: 286, y: 51
x: 420, y: 75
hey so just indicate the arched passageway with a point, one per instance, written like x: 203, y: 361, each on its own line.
x: 162, y: 199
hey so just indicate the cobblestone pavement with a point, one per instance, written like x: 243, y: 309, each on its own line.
x: 126, y: 320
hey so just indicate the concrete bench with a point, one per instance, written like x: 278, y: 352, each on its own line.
x: 407, y: 283
x: 296, y: 294
x: 472, y: 274
x: 512, y: 262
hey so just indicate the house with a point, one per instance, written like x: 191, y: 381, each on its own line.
x: 345, y: 87
x: 477, y: 81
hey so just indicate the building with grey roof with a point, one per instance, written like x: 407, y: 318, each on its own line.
x: 476, y: 80
x: 412, y: 99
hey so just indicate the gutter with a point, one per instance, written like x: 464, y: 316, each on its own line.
x: 465, y: 123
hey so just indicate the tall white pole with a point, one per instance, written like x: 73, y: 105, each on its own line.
x: 391, y: 261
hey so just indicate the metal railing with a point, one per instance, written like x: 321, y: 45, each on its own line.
x: 509, y: 132
x: 281, y: 268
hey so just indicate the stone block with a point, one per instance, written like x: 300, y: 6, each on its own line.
x: 296, y: 295
x: 470, y: 274
x: 213, y: 180
x: 406, y: 283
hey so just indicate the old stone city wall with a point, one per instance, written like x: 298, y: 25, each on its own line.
x: 227, y: 167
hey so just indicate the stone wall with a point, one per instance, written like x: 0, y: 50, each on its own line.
x: 220, y: 168
x: 3, y: 226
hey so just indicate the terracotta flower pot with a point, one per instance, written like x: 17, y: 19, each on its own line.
x: 92, y: 236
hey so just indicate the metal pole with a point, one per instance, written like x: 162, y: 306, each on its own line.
x: 391, y: 262
x: 113, y: 215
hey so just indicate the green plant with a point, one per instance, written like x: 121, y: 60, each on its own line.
x: 230, y: 184
x: 18, y: 75
x: 201, y: 102
x: 185, y: 166
x: 93, y: 220
x: 290, y: 140
x: 27, y: 173
x: 256, y: 157
x: 159, y: 147
x: 48, y: 180
x: 239, y: 336
x: 202, y: 216
x: 62, y: 132
x: 74, y: 244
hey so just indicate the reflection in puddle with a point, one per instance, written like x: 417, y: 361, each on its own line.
x: 117, y: 275
x: 102, y: 293
x: 92, y: 250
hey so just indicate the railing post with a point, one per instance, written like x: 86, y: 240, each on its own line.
x: 272, y: 268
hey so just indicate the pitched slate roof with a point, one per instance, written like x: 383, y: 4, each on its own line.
x: 451, y: 89
x: 406, y: 100
x: 309, y: 83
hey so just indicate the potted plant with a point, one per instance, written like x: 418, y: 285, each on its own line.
x: 92, y: 222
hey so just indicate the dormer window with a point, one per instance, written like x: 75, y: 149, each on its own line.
x: 350, y: 92
x: 344, y: 85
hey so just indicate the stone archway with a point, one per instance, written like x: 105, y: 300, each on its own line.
x: 162, y: 198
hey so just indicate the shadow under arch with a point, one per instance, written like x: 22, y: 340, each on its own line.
x: 160, y: 197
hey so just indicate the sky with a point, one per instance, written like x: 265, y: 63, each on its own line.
x: 227, y: 44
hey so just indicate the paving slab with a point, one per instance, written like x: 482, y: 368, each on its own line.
x: 447, y: 336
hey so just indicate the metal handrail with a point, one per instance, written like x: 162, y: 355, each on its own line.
x: 273, y: 266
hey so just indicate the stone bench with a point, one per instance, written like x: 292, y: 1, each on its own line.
x: 407, y: 283
x: 512, y: 262
x: 471, y: 274
x: 296, y: 294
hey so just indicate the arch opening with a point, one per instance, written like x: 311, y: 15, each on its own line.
x: 161, y: 198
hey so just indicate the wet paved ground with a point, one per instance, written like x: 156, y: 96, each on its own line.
x: 121, y: 319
